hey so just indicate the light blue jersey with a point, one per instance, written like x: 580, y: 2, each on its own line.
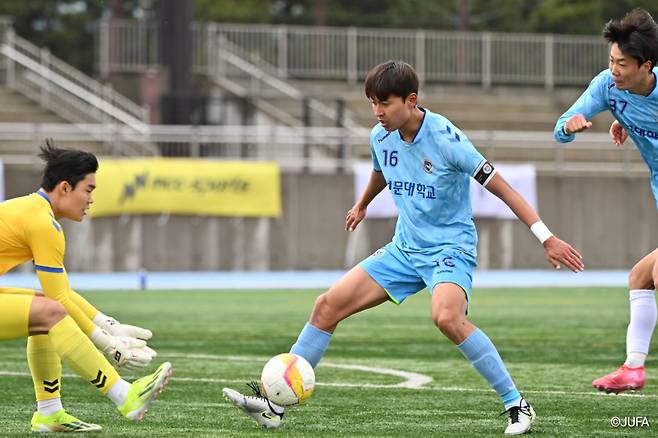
x: 429, y: 179
x: 637, y: 114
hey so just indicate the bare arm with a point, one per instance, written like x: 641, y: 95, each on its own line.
x: 557, y: 251
x: 355, y: 215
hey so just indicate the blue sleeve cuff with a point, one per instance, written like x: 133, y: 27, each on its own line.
x: 48, y: 269
x: 561, y: 136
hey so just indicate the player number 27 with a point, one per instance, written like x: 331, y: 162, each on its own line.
x: 390, y: 158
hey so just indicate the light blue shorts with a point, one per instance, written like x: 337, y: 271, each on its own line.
x: 402, y: 273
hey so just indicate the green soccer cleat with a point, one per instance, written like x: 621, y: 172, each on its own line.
x: 143, y: 391
x: 60, y: 421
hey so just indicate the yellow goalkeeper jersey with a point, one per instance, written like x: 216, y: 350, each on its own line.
x: 29, y: 231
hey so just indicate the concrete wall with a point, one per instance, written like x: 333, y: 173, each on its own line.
x: 612, y: 220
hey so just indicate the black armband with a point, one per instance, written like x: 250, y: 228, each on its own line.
x: 484, y: 173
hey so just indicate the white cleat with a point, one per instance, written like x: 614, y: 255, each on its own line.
x: 260, y: 409
x: 520, y: 419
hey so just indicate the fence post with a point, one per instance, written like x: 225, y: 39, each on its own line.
x: 44, y: 92
x: 10, y: 40
x: 220, y: 69
x: 144, y: 42
x: 549, y: 81
x: 420, y: 56
x: 104, y: 47
x: 340, y: 123
x: 306, y: 121
x: 352, y: 63
x: 282, y: 55
x: 486, y: 59
x: 211, y: 48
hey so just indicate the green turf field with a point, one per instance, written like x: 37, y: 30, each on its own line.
x: 554, y: 342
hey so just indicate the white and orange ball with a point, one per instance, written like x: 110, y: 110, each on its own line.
x: 287, y: 379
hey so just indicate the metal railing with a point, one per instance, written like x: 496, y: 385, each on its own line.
x: 262, y: 83
x: 57, y: 86
x: 322, y: 148
x: 304, y: 52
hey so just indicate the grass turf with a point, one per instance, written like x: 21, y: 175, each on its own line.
x: 553, y: 341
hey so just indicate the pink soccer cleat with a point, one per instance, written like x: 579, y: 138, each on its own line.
x: 623, y: 379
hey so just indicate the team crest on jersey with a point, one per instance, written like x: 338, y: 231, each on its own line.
x: 427, y: 165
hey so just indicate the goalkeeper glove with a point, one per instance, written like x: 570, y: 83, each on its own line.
x: 123, y: 351
x: 115, y: 328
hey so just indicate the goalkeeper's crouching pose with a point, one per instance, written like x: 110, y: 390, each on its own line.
x: 61, y: 325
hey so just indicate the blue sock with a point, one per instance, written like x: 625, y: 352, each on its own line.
x: 482, y: 353
x: 311, y: 344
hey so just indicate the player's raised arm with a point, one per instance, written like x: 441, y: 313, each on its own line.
x: 557, y: 251
x: 576, y: 123
x: 590, y: 103
x: 355, y: 215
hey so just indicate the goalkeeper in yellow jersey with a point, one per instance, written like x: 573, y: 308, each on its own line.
x: 61, y: 325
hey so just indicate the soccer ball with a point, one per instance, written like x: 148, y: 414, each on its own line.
x: 287, y: 379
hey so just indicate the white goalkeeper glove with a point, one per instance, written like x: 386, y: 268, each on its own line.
x: 123, y: 351
x: 115, y: 328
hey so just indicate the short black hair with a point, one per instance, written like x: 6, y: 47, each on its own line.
x: 636, y: 34
x: 68, y: 165
x: 391, y: 78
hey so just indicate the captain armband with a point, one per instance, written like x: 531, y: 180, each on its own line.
x: 484, y: 173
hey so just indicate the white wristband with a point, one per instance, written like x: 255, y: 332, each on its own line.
x: 541, y: 231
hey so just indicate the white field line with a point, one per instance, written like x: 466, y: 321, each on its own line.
x: 380, y: 386
x: 413, y: 380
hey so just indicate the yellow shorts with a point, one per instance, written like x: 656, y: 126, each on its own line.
x: 15, y: 312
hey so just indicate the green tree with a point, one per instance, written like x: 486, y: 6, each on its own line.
x: 581, y: 17
x: 66, y: 27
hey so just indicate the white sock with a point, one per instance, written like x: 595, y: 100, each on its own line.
x: 50, y: 406
x: 118, y: 391
x: 635, y: 360
x: 640, y: 327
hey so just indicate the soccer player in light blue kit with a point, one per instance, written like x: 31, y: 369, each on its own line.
x: 628, y: 90
x: 426, y: 163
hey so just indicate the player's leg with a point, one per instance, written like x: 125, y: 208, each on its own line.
x: 22, y: 315
x: 77, y: 350
x: 354, y: 292
x: 15, y: 310
x: 449, y: 275
x: 641, y: 281
x: 46, y: 369
x: 449, y: 306
x: 386, y: 275
x: 48, y: 317
x: 45, y: 366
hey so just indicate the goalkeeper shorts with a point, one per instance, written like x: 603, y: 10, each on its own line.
x: 15, y: 306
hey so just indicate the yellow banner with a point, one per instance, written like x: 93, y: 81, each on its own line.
x: 186, y: 186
